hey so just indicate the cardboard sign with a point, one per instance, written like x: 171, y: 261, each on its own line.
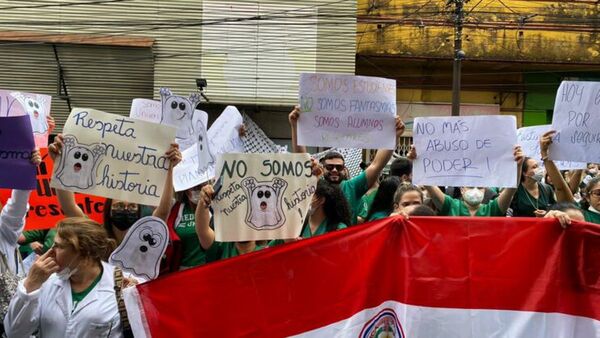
x: 263, y: 196
x: 465, y: 151
x: 347, y: 111
x: 577, y: 122
x: 223, y: 137
x: 44, y: 211
x: 113, y: 156
x: 36, y: 106
x: 16, y: 145
x: 529, y: 139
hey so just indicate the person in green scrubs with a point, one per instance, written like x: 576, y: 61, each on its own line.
x: 335, y: 170
x: 472, y: 197
x: 383, y: 203
x: 329, y: 211
x: 533, y: 197
x: 206, y: 235
x: 591, y: 203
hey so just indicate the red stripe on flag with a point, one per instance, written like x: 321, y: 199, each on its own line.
x: 485, y: 263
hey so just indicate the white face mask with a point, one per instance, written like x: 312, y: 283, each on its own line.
x: 67, y: 272
x: 473, y: 197
x: 194, y: 196
x: 538, y: 175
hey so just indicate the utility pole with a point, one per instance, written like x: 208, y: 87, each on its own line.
x: 459, y: 54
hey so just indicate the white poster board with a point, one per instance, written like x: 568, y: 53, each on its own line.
x: 36, y: 106
x: 113, y: 156
x: 347, y: 111
x: 176, y: 111
x: 465, y: 151
x: 529, y: 139
x: 223, y: 138
x: 263, y: 196
x: 577, y: 122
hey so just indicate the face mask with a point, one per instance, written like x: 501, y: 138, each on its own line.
x: 538, y: 175
x: 123, y: 220
x: 67, y: 272
x: 473, y: 197
x: 194, y: 196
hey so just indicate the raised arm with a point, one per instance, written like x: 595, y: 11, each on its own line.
x: 382, y: 157
x: 293, y: 119
x: 575, y: 180
x: 563, y: 192
x: 206, y: 235
x: 507, y: 194
x: 166, y: 199
x: 436, y: 194
x: 66, y: 199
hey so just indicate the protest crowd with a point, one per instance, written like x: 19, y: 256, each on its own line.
x: 65, y: 280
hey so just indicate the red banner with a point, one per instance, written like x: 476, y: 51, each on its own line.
x: 529, y: 276
x: 44, y: 210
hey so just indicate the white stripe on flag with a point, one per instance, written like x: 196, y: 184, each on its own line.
x: 429, y: 322
x: 138, y: 323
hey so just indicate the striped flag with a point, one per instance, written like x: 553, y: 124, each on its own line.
x: 427, y: 277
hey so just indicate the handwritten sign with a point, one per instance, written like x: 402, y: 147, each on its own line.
x: 529, y: 139
x: 263, y: 196
x: 577, y: 122
x: 36, y: 106
x: 44, y: 210
x: 223, y: 137
x: 113, y: 156
x: 347, y: 111
x: 16, y: 145
x: 465, y: 151
x: 146, y: 110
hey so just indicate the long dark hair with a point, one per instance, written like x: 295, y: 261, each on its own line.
x: 336, y: 206
x: 585, y: 204
x: 524, y: 168
x: 384, y: 199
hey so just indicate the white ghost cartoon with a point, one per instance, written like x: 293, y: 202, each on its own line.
x: 178, y: 111
x: 142, y: 248
x: 78, y: 163
x: 265, y: 210
x: 205, y: 157
x: 36, y: 111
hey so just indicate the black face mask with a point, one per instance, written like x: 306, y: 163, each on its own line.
x: 123, y: 220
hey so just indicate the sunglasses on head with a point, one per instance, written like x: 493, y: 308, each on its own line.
x: 338, y: 167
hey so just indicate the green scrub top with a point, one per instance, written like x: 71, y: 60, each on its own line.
x: 524, y: 204
x: 365, y: 204
x: 456, y: 207
x: 591, y: 216
x: 354, y: 189
x: 192, y: 255
x: 379, y: 215
x: 321, y: 229
x: 223, y: 250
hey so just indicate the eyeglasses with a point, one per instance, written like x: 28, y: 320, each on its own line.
x: 595, y: 192
x: 119, y: 206
x: 338, y: 167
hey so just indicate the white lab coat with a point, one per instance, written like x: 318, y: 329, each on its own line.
x: 12, y: 221
x: 49, y: 310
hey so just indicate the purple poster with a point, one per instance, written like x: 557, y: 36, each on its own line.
x: 16, y: 145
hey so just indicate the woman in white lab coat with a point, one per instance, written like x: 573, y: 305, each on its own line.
x: 69, y: 291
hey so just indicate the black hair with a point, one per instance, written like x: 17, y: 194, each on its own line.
x: 422, y: 210
x: 401, y: 166
x: 384, y: 199
x: 524, y: 167
x: 336, y: 206
x: 331, y: 155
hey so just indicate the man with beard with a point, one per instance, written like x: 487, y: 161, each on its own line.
x: 335, y: 170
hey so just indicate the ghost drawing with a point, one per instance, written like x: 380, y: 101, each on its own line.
x: 142, y: 248
x: 205, y: 157
x: 36, y: 111
x: 178, y: 111
x: 265, y: 210
x: 78, y: 163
